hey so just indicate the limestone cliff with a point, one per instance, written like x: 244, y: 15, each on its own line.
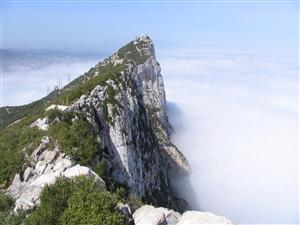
x: 128, y: 114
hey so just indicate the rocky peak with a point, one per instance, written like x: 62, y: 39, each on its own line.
x: 145, y: 45
x: 136, y: 52
x: 128, y: 114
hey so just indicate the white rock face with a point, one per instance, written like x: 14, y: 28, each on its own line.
x: 42, y: 124
x: 149, y: 215
x: 47, y: 166
x: 59, y: 107
x: 135, y: 130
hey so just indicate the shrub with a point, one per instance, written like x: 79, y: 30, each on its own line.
x: 54, y: 199
x: 6, y: 217
x: 92, y: 208
x: 134, y: 201
x: 101, y: 168
x: 13, y: 218
x: 75, y: 201
x: 85, y: 85
x: 131, y: 53
x: 6, y: 202
x: 13, y: 141
x: 75, y: 138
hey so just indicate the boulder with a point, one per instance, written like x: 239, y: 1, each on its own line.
x: 78, y: 170
x: 59, y: 107
x: 196, y: 217
x: 42, y: 124
x: 150, y: 215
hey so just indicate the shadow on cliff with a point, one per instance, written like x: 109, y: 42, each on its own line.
x: 181, y: 184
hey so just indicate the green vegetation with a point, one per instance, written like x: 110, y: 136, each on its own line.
x: 101, y: 168
x: 10, y: 114
x: 6, y: 217
x: 134, y: 201
x: 54, y: 199
x: 129, y: 52
x: 75, y: 201
x: 75, y: 138
x: 82, y: 88
x: 92, y: 207
x: 111, y: 93
x: 6, y: 202
x: 55, y: 113
x: 13, y: 141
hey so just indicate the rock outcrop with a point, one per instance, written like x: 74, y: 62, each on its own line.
x: 41, y: 124
x: 149, y: 215
x: 196, y: 217
x: 44, y: 167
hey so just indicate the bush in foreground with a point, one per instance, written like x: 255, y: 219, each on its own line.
x: 78, y: 201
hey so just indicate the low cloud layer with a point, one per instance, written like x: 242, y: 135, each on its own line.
x: 236, y: 120
x: 30, y: 75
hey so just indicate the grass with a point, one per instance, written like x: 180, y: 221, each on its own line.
x: 130, y: 53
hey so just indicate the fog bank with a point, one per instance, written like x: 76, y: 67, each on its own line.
x: 236, y: 120
x: 29, y: 75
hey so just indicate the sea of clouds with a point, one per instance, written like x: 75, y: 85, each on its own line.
x: 235, y: 117
x: 30, y: 75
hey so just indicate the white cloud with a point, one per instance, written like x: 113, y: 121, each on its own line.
x: 238, y: 127
x: 24, y: 84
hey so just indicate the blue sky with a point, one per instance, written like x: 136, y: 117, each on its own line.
x: 106, y: 26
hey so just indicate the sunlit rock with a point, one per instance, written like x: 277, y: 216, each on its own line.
x: 196, y: 217
x: 59, y: 107
x: 48, y: 166
x: 42, y: 124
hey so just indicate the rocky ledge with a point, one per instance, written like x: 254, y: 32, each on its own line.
x: 46, y: 165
